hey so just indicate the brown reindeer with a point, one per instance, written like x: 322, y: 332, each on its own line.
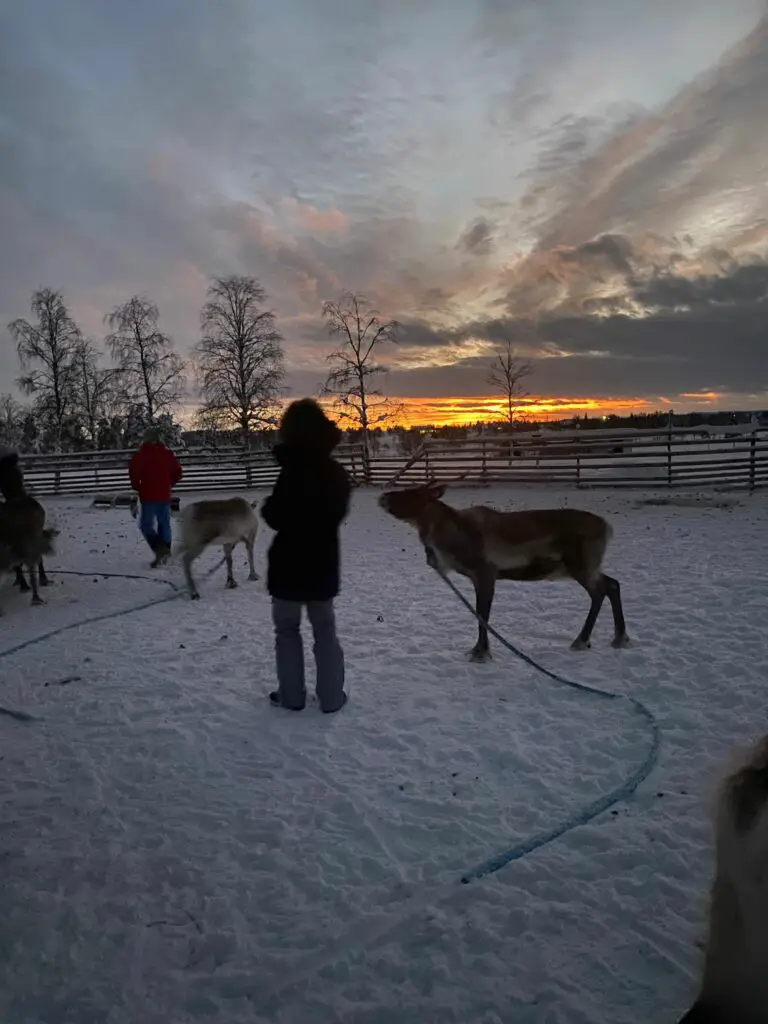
x: 486, y: 545
x: 23, y: 539
x: 734, y: 987
x: 22, y: 522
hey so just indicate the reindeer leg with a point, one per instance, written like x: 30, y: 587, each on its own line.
x: 231, y: 581
x: 44, y: 581
x: 249, y: 540
x: 190, y: 554
x: 596, y: 590
x: 20, y: 581
x: 485, y: 586
x: 613, y: 593
x: 36, y: 599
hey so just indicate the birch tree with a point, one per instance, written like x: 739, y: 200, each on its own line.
x: 149, y: 372
x: 94, y: 389
x: 46, y: 348
x: 240, y: 363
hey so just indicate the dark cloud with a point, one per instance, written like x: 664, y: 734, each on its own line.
x: 477, y: 238
x: 698, y: 334
x: 743, y: 290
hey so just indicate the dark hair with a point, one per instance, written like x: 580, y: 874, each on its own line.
x: 305, y: 425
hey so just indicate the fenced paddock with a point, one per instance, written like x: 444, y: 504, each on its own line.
x: 676, y: 459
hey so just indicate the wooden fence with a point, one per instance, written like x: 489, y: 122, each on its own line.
x: 106, y: 472
x: 677, y: 458
x: 649, y: 459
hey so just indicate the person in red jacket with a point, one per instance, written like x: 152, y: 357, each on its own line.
x: 154, y: 471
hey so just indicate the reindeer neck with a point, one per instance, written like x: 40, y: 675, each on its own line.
x: 434, y: 511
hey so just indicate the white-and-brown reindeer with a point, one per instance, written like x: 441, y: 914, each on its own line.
x: 734, y: 987
x: 486, y: 545
x: 226, y: 521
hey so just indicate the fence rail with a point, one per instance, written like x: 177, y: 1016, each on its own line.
x: 649, y: 459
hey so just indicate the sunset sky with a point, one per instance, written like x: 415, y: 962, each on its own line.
x: 585, y: 178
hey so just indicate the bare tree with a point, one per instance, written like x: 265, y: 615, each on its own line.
x: 94, y: 389
x: 150, y: 373
x: 240, y: 357
x: 508, y: 371
x: 46, y: 351
x: 352, y: 380
x: 12, y: 416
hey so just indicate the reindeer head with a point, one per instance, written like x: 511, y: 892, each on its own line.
x: 410, y: 502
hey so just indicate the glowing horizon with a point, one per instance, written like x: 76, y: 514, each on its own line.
x: 463, y: 410
x: 457, y: 410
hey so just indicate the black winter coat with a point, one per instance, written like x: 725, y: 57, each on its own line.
x: 306, y: 508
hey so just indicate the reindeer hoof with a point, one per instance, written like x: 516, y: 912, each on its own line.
x: 619, y: 642
x: 253, y: 576
x: 479, y: 657
x: 194, y: 596
x: 231, y: 584
x: 580, y: 645
x: 37, y: 600
x: 25, y: 589
x: 45, y: 583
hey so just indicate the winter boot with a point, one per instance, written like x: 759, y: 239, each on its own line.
x: 162, y: 553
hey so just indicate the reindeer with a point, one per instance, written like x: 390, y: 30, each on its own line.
x: 228, y: 521
x: 22, y: 511
x: 24, y: 540
x: 734, y: 987
x: 486, y: 545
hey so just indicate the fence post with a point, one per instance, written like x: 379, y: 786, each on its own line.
x: 578, y: 471
x: 484, y: 465
x: 426, y: 464
x: 248, y: 467
x: 669, y: 455
x: 753, y: 461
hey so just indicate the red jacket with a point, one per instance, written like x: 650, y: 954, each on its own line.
x: 154, y: 470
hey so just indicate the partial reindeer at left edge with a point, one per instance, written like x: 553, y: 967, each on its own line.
x: 24, y: 540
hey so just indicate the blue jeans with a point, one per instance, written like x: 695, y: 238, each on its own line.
x: 289, y: 653
x: 155, y: 522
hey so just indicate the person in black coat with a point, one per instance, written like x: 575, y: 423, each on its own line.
x: 308, y: 504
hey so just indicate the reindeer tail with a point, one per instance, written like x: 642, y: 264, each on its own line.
x: 46, y: 543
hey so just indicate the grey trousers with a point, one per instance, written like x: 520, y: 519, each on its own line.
x: 289, y: 653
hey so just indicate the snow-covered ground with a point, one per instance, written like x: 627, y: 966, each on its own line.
x: 175, y: 850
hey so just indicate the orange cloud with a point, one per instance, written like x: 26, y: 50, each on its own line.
x: 702, y: 396
x: 330, y: 221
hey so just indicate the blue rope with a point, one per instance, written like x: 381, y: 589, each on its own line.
x: 500, y: 860
x: 24, y: 716
x: 603, y: 803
